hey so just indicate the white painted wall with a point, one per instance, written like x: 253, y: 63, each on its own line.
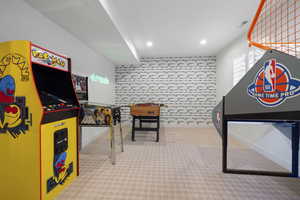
x: 19, y: 21
x: 267, y: 140
x: 236, y: 50
x: 225, y: 57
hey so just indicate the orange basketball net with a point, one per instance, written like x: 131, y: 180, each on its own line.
x: 276, y: 25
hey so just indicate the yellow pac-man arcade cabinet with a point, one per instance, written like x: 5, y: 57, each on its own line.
x: 38, y: 122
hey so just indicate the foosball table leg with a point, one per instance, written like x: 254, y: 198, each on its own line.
x: 157, y: 131
x: 133, y: 129
x: 112, y: 145
x: 122, y: 142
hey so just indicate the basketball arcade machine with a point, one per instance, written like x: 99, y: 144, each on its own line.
x: 270, y: 90
x: 38, y: 129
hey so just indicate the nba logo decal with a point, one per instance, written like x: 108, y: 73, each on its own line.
x: 270, y: 76
x: 273, y: 84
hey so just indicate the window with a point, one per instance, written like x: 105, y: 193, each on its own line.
x: 254, y: 55
x: 245, y: 62
x: 239, y: 68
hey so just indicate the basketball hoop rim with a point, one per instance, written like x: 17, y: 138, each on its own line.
x: 254, y: 21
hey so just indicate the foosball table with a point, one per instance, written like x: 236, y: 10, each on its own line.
x: 145, y: 113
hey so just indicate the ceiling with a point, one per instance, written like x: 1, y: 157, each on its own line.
x: 119, y: 29
x: 176, y: 27
x: 89, y: 22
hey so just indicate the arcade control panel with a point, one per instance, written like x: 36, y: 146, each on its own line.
x: 54, y: 103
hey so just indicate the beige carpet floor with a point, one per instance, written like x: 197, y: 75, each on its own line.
x: 184, y: 165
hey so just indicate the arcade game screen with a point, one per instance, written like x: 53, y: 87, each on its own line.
x: 53, y: 93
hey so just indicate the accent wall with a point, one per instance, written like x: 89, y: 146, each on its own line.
x: 186, y: 84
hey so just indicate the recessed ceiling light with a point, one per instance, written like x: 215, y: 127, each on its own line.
x: 149, y: 44
x: 203, y: 42
x: 243, y: 23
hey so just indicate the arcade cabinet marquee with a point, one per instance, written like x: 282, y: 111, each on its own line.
x: 38, y: 122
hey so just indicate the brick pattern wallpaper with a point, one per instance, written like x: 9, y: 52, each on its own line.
x: 186, y: 84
